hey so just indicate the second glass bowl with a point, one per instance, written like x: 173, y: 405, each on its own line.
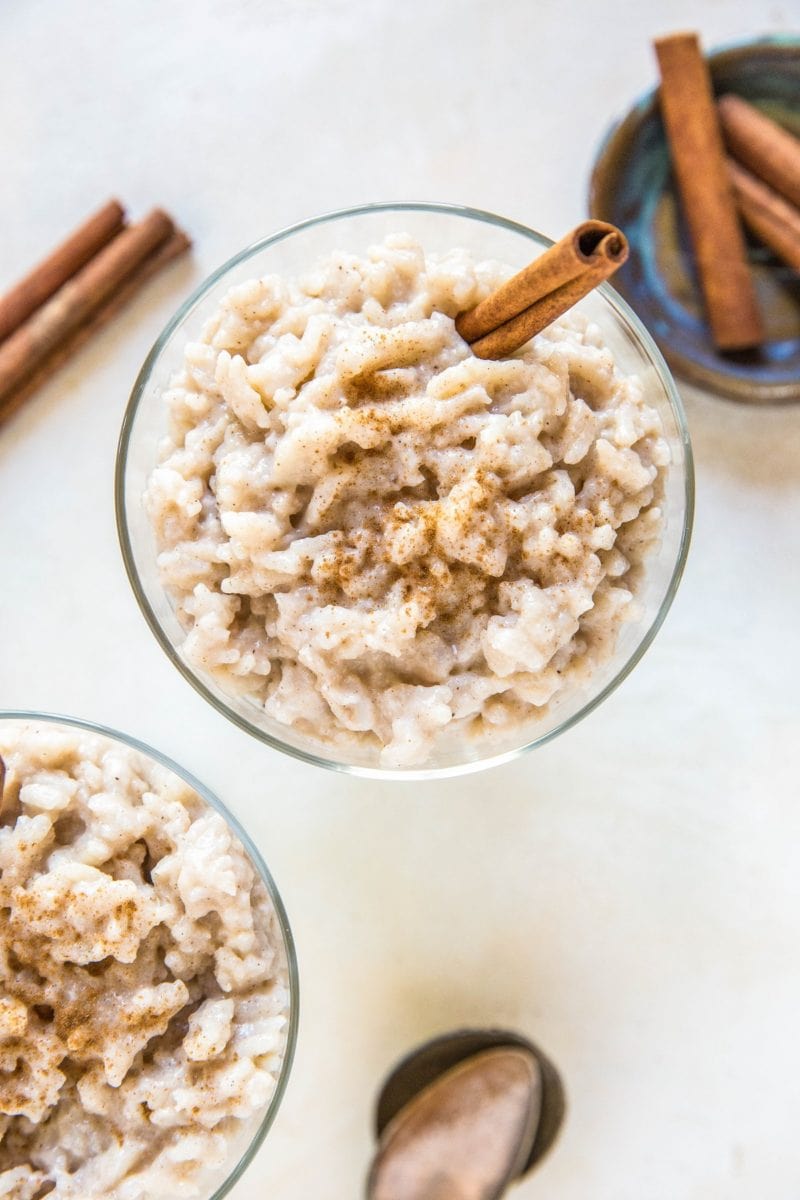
x: 293, y: 251
x: 85, y: 739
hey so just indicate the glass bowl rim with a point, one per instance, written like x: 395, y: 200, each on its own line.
x: 627, y: 317
x: 263, y: 870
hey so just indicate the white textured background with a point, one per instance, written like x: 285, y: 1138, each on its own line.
x: 630, y: 894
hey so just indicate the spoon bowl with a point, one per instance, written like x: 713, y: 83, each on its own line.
x: 464, y: 1137
x: 426, y: 1063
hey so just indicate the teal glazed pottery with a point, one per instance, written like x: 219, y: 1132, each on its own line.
x: 632, y: 186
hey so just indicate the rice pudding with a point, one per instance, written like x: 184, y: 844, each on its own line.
x: 144, y: 999
x: 374, y: 535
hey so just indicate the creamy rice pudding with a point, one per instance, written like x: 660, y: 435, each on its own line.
x: 375, y: 535
x: 144, y: 987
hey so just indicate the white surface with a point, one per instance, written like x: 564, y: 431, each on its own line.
x: 629, y: 895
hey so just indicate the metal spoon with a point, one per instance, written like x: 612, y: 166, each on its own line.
x: 464, y: 1115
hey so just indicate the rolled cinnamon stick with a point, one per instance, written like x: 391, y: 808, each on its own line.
x: 590, y: 253
x: 512, y: 334
x: 695, y: 141
x: 768, y: 149
x: 25, y: 351
x: 60, y: 265
x: 175, y: 245
x: 768, y: 215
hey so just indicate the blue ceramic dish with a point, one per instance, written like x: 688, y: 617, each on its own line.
x: 631, y: 186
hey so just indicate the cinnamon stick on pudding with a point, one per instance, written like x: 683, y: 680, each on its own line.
x: 769, y: 150
x: 60, y: 265
x: 539, y: 293
x: 26, y: 350
x: 695, y: 141
x: 767, y: 215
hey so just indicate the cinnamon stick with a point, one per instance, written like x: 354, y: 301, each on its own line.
x: 539, y: 293
x: 695, y: 141
x: 770, y: 151
x: 591, y: 253
x: 175, y: 245
x: 768, y: 215
x: 26, y: 350
x: 60, y: 265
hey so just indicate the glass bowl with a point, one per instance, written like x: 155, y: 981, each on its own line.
x: 244, y: 1147
x: 438, y: 228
